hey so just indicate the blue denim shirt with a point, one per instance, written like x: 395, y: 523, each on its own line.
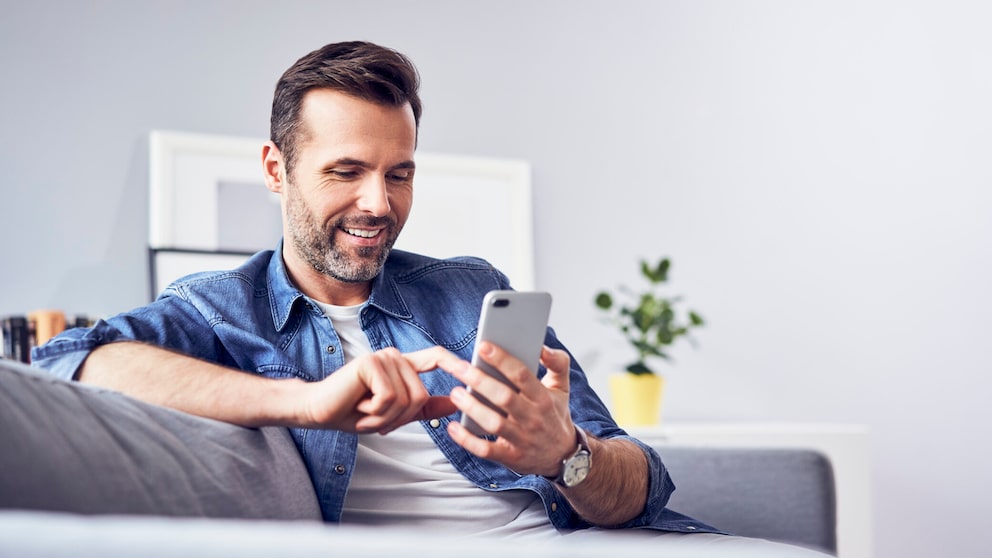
x: 252, y: 318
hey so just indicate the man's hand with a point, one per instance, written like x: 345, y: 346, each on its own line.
x: 537, y: 431
x: 537, y: 434
x: 378, y: 392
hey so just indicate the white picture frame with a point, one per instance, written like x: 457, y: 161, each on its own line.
x: 463, y: 206
x: 473, y: 206
x: 189, y: 175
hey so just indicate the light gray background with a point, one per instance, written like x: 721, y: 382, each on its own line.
x: 819, y: 172
x: 248, y: 216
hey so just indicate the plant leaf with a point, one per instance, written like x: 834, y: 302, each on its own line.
x: 662, y: 270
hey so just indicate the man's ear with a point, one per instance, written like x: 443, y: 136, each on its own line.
x: 273, y: 167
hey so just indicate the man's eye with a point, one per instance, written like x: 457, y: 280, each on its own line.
x: 343, y: 174
x: 400, y: 176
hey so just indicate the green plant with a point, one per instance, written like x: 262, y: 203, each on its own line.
x: 651, y: 323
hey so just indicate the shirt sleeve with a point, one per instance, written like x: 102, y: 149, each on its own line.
x: 65, y: 353
x: 169, y: 322
x: 660, y: 488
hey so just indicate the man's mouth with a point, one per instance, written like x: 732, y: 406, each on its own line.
x: 363, y: 233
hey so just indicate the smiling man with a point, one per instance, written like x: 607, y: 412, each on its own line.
x: 362, y: 350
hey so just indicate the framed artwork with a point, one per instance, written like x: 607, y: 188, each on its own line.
x: 473, y: 206
x: 209, y: 207
x: 207, y: 193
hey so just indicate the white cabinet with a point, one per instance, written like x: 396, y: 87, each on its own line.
x: 846, y: 445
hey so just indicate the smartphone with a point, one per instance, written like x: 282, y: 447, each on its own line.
x: 517, y: 322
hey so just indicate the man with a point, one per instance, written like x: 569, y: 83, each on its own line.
x: 350, y: 344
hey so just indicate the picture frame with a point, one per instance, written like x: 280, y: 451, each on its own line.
x: 199, y: 184
x: 208, y: 207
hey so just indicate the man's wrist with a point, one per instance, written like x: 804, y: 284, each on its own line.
x: 576, y: 465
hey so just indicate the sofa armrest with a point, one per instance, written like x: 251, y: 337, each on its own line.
x: 780, y: 494
x: 74, y: 448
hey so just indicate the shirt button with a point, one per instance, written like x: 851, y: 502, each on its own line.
x: 554, y: 506
x: 493, y: 485
x: 691, y: 528
x: 434, y: 423
x: 339, y: 469
x: 331, y: 349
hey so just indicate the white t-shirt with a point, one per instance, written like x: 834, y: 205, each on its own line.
x: 404, y: 479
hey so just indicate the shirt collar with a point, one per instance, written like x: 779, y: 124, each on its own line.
x: 283, y: 294
x: 386, y: 295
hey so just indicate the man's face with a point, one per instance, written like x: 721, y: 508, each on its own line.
x: 351, y: 187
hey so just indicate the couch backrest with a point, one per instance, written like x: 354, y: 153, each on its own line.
x: 780, y: 494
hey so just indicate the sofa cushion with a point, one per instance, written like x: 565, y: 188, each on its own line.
x: 76, y: 448
x: 781, y: 494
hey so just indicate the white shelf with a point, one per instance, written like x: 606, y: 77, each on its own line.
x: 846, y: 445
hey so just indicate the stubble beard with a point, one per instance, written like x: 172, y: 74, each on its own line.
x: 316, y: 245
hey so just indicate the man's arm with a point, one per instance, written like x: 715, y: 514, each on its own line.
x: 537, y: 434
x: 617, y: 486
x: 374, y: 393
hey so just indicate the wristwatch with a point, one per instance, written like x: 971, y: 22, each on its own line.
x: 576, y: 467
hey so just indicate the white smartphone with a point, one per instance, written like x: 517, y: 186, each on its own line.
x: 517, y: 322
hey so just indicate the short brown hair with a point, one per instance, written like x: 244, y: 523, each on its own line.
x: 361, y: 69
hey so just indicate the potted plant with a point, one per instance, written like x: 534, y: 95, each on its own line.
x: 651, y: 322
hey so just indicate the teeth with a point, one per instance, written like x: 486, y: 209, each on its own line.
x: 363, y: 233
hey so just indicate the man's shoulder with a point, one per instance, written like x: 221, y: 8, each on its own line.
x: 436, y: 278
x: 248, y: 277
x: 442, y: 297
x: 404, y: 267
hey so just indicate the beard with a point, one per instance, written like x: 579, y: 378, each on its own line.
x: 316, y: 244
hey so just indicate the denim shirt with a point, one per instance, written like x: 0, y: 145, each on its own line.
x: 254, y: 319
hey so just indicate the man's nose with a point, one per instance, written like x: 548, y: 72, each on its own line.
x: 372, y: 196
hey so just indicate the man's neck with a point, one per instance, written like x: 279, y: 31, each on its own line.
x: 324, y: 288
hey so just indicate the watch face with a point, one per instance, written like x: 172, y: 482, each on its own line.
x: 576, y: 469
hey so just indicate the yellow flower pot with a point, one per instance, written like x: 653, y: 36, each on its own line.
x: 636, y: 398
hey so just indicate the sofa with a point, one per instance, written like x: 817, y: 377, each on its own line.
x: 88, y: 471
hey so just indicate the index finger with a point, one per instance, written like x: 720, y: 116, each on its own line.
x: 426, y: 360
x: 521, y: 377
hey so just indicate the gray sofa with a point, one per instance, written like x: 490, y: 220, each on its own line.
x: 113, y: 472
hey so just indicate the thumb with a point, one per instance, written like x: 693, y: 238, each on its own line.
x: 426, y: 360
x: 557, y: 362
x: 437, y: 406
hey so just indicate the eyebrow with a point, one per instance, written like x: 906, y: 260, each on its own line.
x: 348, y: 161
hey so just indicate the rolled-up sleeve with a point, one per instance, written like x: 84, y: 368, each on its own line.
x: 65, y: 353
x: 660, y: 487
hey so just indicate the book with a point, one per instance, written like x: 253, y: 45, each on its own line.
x: 17, y: 338
x: 47, y: 324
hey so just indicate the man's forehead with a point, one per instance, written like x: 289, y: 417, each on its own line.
x: 341, y: 125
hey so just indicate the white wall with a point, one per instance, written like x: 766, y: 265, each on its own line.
x: 819, y: 172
